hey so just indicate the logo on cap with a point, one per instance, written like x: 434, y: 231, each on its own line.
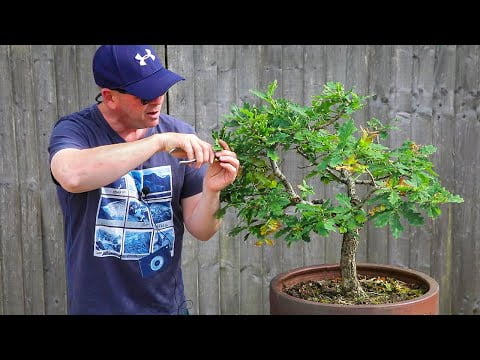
x: 142, y: 59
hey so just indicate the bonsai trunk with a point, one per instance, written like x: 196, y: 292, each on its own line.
x: 348, y: 265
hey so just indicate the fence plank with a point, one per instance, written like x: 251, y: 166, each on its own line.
x: 66, y: 79
x: 270, y: 70
x: 291, y: 164
x: 314, y: 78
x: 181, y: 104
x: 402, y: 66
x: 467, y: 132
x: 28, y: 177
x: 336, y: 71
x: 251, y: 266
x: 443, y: 126
x: 206, y: 120
x: 422, y: 247
x: 52, y: 220
x: 381, y: 87
x: 229, y: 246
x: 5, y: 113
x: 11, y: 214
x: 87, y: 89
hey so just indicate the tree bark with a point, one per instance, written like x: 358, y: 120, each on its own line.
x: 348, y: 264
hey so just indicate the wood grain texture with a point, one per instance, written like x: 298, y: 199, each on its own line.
x: 28, y: 179
x: 314, y: 78
x: 402, y: 67
x: 422, y: 250
x: 291, y: 164
x: 443, y: 115
x: 229, y: 246
x: 205, y: 120
x: 381, y: 87
x: 181, y: 104
x: 336, y: 71
x: 14, y: 296
x: 271, y: 69
x: 46, y: 115
x: 251, y: 261
x: 466, y: 127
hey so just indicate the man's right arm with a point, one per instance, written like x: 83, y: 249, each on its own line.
x: 88, y: 169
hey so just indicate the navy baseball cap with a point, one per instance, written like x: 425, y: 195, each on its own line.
x: 134, y: 68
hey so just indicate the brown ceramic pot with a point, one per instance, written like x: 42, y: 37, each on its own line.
x: 284, y: 304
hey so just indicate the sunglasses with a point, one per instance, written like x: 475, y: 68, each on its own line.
x: 122, y: 91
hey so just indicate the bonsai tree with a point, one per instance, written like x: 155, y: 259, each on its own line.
x: 399, y: 183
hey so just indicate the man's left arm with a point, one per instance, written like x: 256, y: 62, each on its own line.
x: 199, y: 210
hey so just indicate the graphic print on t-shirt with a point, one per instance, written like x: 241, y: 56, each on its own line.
x: 135, y: 216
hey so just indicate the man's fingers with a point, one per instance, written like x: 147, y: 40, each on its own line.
x: 177, y: 152
x: 224, y: 144
x: 192, y: 150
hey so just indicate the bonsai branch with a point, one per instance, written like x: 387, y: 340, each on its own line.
x: 371, y: 177
x: 312, y: 163
x: 337, y: 177
x: 329, y: 122
x: 351, y: 188
x: 371, y: 181
x: 370, y: 193
x: 295, y: 198
x: 278, y: 173
x: 363, y: 182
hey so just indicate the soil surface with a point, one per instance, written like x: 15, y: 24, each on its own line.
x: 378, y: 290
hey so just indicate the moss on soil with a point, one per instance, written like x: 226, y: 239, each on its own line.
x: 378, y: 290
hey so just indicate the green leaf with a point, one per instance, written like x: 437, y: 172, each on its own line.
x: 272, y: 154
x: 330, y: 225
x: 343, y: 200
x: 297, y: 108
x: 261, y: 95
x: 306, y: 207
x: 434, y: 211
x: 361, y: 217
x: 236, y: 230
x: 381, y: 219
x: 395, y: 225
x: 220, y: 213
x: 455, y: 199
x: 321, y: 230
x: 346, y: 130
x: 272, y: 87
x: 334, y: 161
x: 413, y: 217
x: 394, y: 198
x: 428, y: 150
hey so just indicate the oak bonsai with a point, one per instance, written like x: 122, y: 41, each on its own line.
x: 398, y: 183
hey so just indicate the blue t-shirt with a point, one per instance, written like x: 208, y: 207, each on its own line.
x: 124, y: 240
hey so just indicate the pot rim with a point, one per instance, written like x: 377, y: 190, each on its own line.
x: 433, y: 287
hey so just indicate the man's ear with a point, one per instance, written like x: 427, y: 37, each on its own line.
x: 108, y: 97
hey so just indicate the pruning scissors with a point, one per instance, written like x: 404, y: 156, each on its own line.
x: 183, y: 162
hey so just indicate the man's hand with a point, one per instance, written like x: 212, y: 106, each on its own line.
x: 188, y: 146
x: 222, y: 172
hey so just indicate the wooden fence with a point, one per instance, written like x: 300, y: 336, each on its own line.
x: 432, y: 90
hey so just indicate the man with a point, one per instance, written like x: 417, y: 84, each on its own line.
x: 127, y: 189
